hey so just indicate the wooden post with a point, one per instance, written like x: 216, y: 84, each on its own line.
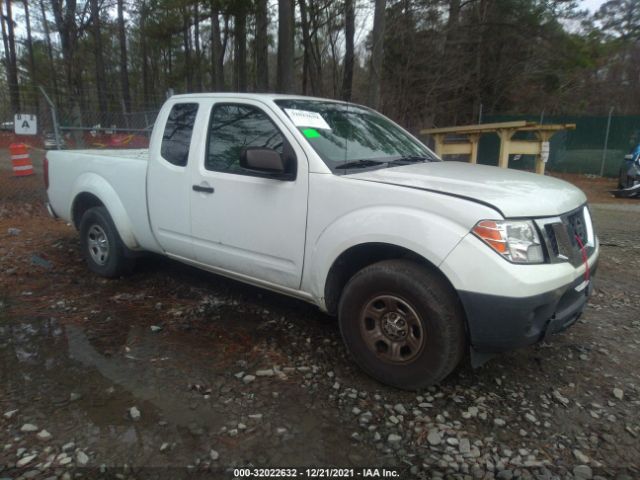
x: 439, y: 139
x: 474, y: 139
x: 505, y: 135
x: 543, y: 136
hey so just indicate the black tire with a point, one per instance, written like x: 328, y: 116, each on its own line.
x: 110, y: 259
x: 438, y: 325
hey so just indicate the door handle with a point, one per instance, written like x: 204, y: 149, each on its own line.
x: 200, y: 188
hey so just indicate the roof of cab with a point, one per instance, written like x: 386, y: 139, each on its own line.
x: 256, y: 96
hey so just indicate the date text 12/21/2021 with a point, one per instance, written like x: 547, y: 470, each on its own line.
x: 373, y: 473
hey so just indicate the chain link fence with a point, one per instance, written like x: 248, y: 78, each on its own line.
x: 81, y: 122
x: 65, y: 124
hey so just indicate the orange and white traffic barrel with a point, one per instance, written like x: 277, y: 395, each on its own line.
x: 20, y: 160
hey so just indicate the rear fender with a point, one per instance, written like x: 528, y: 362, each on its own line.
x: 102, y: 189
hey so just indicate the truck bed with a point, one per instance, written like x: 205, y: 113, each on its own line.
x: 118, y: 177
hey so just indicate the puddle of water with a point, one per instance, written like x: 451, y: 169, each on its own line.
x: 79, y: 383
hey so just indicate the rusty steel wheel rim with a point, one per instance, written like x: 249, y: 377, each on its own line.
x: 391, y: 328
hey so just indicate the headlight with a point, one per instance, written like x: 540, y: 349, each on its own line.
x: 515, y: 240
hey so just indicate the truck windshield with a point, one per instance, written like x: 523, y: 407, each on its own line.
x: 350, y: 137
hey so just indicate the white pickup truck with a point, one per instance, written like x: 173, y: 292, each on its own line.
x: 330, y: 202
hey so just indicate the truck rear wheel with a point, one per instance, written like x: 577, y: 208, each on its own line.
x: 101, y: 245
x: 402, y: 323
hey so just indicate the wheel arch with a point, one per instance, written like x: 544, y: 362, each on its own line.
x: 81, y: 203
x: 357, y: 257
x: 92, y: 190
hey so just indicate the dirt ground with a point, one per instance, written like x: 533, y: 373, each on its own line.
x: 176, y: 371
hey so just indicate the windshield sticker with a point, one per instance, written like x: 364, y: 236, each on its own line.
x: 310, y: 133
x: 305, y: 118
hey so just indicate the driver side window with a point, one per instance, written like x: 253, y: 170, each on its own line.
x: 234, y: 127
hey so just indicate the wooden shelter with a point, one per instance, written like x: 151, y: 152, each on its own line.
x: 468, y: 145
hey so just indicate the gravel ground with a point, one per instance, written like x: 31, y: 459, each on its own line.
x: 174, y: 367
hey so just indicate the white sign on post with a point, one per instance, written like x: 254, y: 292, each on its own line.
x: 25, y: 124
x: 544, y: 151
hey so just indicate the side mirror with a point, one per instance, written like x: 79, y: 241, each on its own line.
x: 264, y: 160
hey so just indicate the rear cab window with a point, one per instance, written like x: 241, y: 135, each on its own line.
x: 178, y: 130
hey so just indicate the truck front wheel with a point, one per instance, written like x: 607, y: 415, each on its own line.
x: 402, y: 323
x: 101, y: 244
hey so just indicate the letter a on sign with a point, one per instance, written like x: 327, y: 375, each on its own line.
x: 25, y: 124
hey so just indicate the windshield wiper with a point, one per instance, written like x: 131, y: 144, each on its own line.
x: 411, y: 159
x: 364, y: 163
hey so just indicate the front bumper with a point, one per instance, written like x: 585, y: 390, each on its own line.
x: 508, y: 306
x: 497, y: 323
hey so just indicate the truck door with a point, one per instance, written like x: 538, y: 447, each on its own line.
x: 169, y: 178
x: 242, y: 221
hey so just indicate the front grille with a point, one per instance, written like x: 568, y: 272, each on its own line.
x: 552, y: 240
x: 576, y: 227
x: 561, y: 236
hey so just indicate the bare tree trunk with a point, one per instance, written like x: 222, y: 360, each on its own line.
x: 12, y: 65
x: 32, y: 60
x: 5, y: 43
x: 187, y: 50
x: 306, y: 44
x: 349, y: 30
x: 154, y: 70
x: 479, y: 59
x: 262, y: 46
x: 316, y: 76
x: 217, y: 56
x: 196, y: 37
x: 52, y: 69
x: 240, y: 54
x: 145, y: 57
x: 225, y: 38
x: 286, y: 10
x: 453, y: 20
x: 124, y: 69
x: 377, y: 54
x: 68, y: 31
x: 334, y: 71
x: 101, y: 85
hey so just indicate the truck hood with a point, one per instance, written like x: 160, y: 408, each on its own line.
x: 513, y: 193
